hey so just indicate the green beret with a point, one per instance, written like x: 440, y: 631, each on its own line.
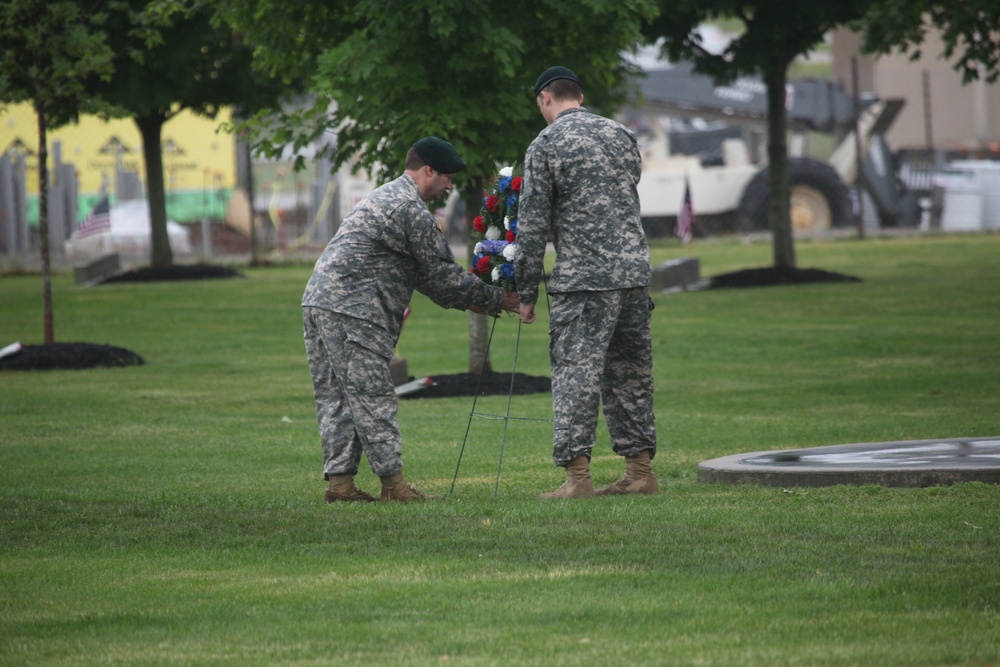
x: 439, y: 155
x: 553, y: 73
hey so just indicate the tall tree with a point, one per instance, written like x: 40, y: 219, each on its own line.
x: 186, y: 61
x: 774, y: 34
x: 969, y: 29
x: 384, y: 74
x: 47, y: 50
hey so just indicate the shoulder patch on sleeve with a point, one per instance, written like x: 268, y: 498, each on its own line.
x: 526, y: 182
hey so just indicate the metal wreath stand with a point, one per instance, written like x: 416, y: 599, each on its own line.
x: 505, y: 417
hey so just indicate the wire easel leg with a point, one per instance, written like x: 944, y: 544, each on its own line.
x: 475, y: 398
x: 506, y: 417
x: 510, y: 396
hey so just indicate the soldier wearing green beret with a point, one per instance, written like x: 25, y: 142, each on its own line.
x: 580, y: 179
x: 389, y: 246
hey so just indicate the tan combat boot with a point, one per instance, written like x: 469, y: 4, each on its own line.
x: 577, y: 484
x: 638, y: 477
x: 342, y: 488
x: 396, y: 488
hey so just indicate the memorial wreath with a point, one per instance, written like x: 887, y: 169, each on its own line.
x: 495, y: 231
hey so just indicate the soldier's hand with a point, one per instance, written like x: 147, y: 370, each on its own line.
x: 510, y: 302
x: 527, y: 313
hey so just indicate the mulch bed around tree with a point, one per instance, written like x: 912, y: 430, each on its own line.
x: 69, y: 356
x: 768, y: 276
x: 174, y: 272
x: 491, y: 384
x: 72, y: 356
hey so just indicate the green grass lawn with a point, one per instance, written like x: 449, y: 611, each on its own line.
x: 171, y: 514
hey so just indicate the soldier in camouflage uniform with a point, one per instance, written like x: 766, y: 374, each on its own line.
x: 580, y: 178
x: 389, y: 246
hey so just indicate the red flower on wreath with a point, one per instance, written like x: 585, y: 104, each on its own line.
x: 511, y: 236
x: 492, y: 202
x: 479, y: 224
x: 516, y: 184
x: 483, y: 267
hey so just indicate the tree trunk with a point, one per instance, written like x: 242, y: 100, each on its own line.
x: 255, y: 259
x: 479, y: 325
x: 151, y: 128
x: 779, y: 214
x: 48, y: 324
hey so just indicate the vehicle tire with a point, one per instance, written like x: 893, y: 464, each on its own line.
x: 819, y: 199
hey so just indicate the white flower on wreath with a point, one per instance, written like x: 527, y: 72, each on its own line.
x: 493, y: 233
x: 507, y: 171
x: 509, y: 250
x: 478, y: 250
x: 496, y: 274
x: 506, y: 222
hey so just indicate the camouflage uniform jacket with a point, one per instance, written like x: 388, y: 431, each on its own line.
x: 580, y: 179
x: 388, y: 246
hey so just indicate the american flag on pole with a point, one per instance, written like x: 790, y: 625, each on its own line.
x: 685, y: 217
x: 97, y: 221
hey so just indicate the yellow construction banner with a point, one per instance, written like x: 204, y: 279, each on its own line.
x: 198, y: 156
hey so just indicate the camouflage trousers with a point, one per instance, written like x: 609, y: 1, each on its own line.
x: 355, y: 397
x: 601, y: 351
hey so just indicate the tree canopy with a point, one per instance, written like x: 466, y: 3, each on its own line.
x: 774, y: 33
x: 48, y: 50
x: 384, y: 74
x: 969, y: 29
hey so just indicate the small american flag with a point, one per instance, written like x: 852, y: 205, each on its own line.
x: 685, y: 217
x: 97, y: 221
